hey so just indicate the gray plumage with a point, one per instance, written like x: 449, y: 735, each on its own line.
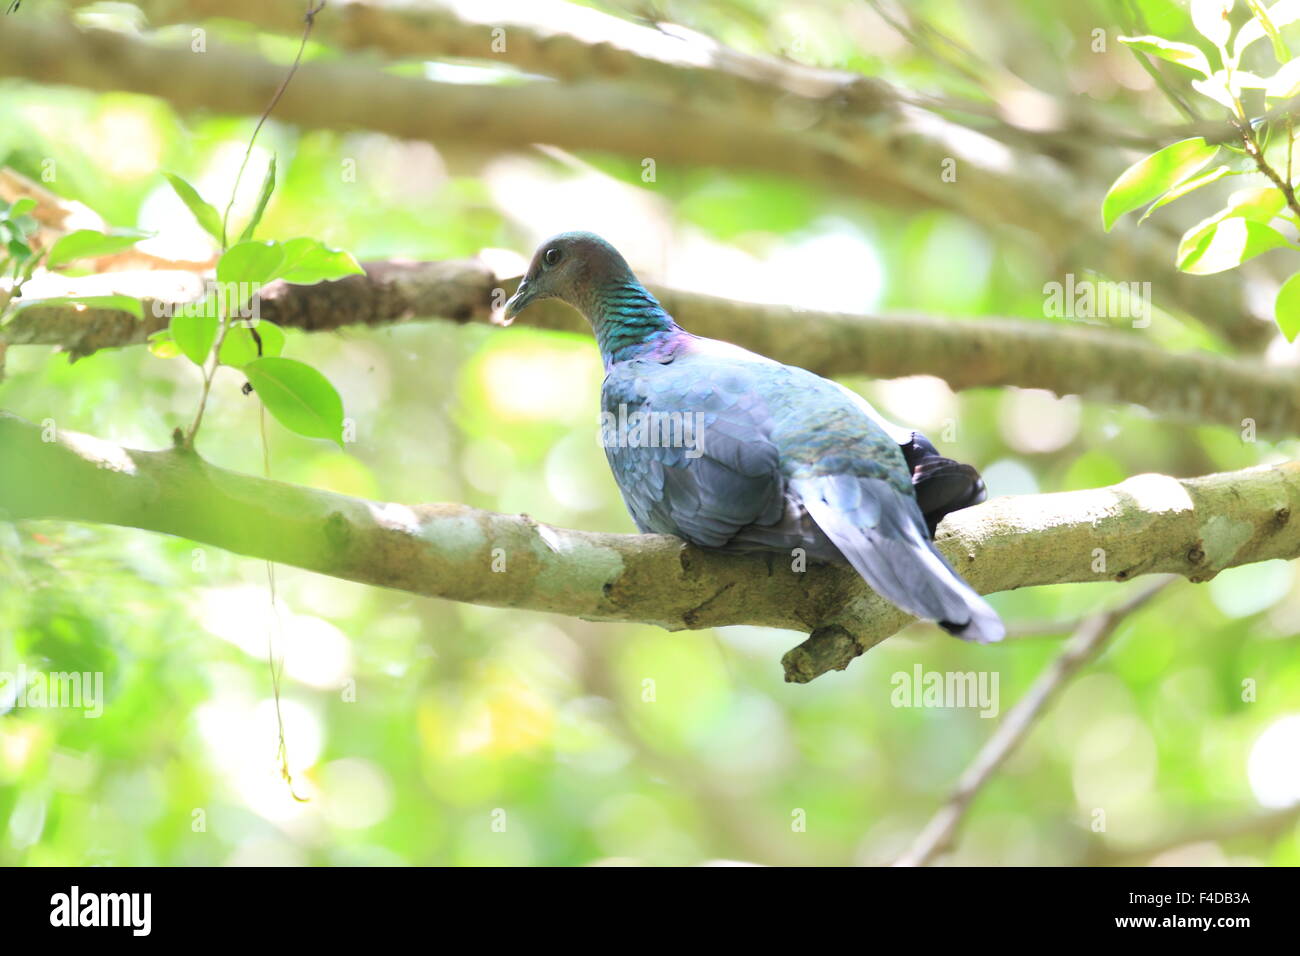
x: 761, y: 456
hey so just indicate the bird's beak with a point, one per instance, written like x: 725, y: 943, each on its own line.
x: 519, y: 301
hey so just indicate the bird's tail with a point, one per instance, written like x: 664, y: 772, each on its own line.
x: 882, y: 535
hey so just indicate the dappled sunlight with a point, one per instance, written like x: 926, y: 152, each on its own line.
x: 1274, y: 764
x: 922, y: 401
x: 1156, y: 493
x: 315, y: 652
x: 1036, y: 421
x: 540, y: 384
x: 241, y: 735
x: 834, y: 269
x: 104, y: 454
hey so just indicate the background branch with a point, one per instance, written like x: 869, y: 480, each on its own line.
x: 893, y: 157
x: 1096, y: 363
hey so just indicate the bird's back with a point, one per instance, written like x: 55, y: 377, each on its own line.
x: 756, y: 425
x: 816, y: 426
x: 779, y: 459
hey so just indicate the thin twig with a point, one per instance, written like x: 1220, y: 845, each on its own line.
x: 1082, y: 647
x: 210, y: 370
x: 920, y: 33
x: 1290, y: 142
x: 275, y: 664
x: 309, y: 21
x: 1257, y: 154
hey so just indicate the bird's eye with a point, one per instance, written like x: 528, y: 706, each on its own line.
x: 552, y: 255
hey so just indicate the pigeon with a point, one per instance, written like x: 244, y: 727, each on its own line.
x: 731, y: 450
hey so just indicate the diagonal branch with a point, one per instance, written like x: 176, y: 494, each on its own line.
x: 664, y: 59
x: 1083, y: 646
x: 1099, y: 364
x: 1148, y: 524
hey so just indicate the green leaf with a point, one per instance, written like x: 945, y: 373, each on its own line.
x: 21, y: 227
x: 90, y: 244
x: 1183, y: 54
x: 1214, y: 246
x: 1151, y: 177
x: 1224, y: 87
x: 17, y: 227
x: 1279, y: 15
x: 308, y: 261
x: 1280, y: 51
x: 300, y: 398
x: 1260, y: 203
x: 1210, y: 17
x: 205, y: 213
x: 1286, y: 309
x: 21, y: 207
x: 163, y: 345
x: 194, y: 332
x: 1262, y: 20
x: 1185, y: 187
x: 1285, y: 83
x: 252, y: 262
x: 268, y: 187
x: 240, y: 345
x: 243, y: 269
x: 118, y: 303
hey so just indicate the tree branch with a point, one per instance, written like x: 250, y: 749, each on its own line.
x: 663, y: 59
x: 660, y: 59
x: 1148, y: 524
x: 1083, y: 646
x: 887, y: 155
x: 1098, y: 364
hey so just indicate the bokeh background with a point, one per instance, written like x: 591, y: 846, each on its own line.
x: 462, y: 713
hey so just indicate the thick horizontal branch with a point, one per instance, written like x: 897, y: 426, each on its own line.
x: 884, y: 154
x: 1099, y: 364
x: 1148, y: 524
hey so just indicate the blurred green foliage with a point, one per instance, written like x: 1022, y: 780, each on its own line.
x: 430, y: 732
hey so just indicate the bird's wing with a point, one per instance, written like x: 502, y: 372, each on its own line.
x: 714, y: 469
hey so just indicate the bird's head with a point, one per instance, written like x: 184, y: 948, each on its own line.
x: 568, y: 267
